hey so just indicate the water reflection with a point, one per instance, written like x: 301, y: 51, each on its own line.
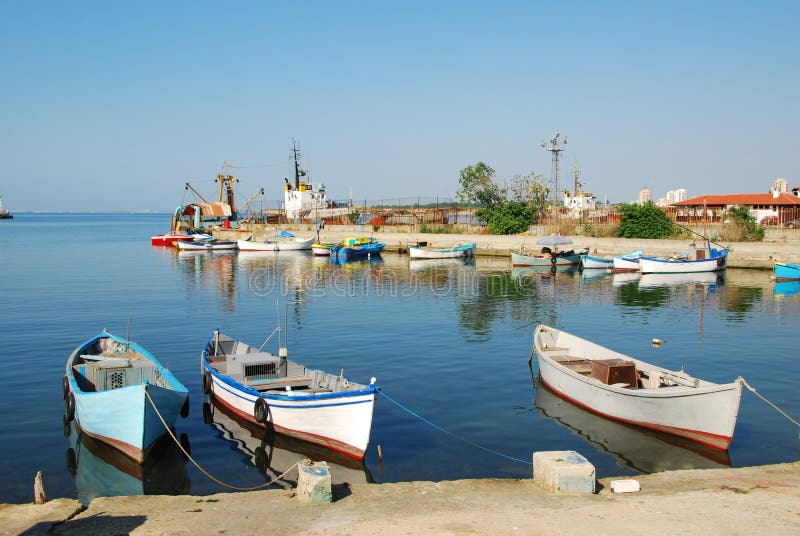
x: 274, y: 454
x: 786, y: 289
x: 676, y: 280
x: 634, y: 448
x: 210, y: 270
x: 100, y: 470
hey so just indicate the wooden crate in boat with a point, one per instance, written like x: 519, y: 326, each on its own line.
x: 615, y: 371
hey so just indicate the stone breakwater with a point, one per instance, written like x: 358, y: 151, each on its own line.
x: 761, y: 255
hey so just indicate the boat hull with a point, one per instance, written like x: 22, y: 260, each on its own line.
x: 621, y: 265
x: 518, y: 259
x: 651, y: 265
x: 589, y: 262
x: 705, y: 414
x: 416, y: 252
x: 357, y: 252
x: 123, y: 417
x: 338, y: 422
x: 295, y: 245
x: 185, y: 245
x: 168, y: 239
x: 786, y: 272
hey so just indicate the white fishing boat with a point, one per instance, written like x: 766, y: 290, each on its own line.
x: 272, y: 244
x: 628, y: 262
x: 625, y: 389
x: 706, y: 259
x: 204, y: 245
x: 427, y: 252
x: 287, y: 397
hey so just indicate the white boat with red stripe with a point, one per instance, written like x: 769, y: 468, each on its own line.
x: 619, y: 387
x: 317, y: 407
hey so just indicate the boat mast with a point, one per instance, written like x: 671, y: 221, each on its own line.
x: 297, y: 171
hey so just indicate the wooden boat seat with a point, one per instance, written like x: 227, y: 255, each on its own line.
x: 574, y: 363
x: 279, y: 383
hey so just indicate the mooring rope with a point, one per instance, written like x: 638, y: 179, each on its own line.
x: 209, y: 475
x: 448, y: 432
x: 759, y: 395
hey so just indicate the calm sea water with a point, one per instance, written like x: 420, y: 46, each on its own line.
x: 450, y: 342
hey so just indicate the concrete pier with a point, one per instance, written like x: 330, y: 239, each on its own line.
x: 780, y: 246
x: 751, y: 500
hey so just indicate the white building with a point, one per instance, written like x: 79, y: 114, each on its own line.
x: 580, y: 202
x: 644, y: 195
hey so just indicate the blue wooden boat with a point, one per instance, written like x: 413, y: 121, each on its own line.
x: 357, y: 248
x: 785, y: 271
x: 106, y: 387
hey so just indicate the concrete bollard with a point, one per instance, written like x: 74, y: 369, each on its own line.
x: 313, y: 482
x: 563, y: 472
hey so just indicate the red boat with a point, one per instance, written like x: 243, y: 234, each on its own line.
x: 170, y: 238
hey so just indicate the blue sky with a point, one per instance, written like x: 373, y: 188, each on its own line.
x: 114, y: 105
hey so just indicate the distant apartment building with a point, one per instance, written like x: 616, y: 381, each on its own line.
x: 675, y: 196
x: 780, y: 185
x: 644, y: 195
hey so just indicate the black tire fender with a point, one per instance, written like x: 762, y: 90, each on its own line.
x: 65, y: 386
x: 70, y: 407
x: 207, y: 382
x: 261, y: 411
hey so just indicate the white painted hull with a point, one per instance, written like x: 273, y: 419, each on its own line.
x: 705, y: 413
x: 650, y: 265
x: 624, y: 265
x: 205, y: 246
x: 441, y: 253
x: 341, y: 423
x: 293, y: 245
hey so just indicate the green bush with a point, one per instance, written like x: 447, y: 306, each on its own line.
x: 512, y: 217
x: 743, y: 226
x: 644, y: 221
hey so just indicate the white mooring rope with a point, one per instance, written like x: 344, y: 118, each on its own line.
x: 779, y: 410
x: 209, y: 475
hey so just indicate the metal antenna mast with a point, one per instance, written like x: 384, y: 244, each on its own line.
x: 555, y: 148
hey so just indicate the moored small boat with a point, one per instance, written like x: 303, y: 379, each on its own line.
x: 357, y: 247
x: 204, y: 245
x: 784, y: 271
x: 561, y: 258
x: 322, y: 250
x: 292, y: 244
x: 628, y: 262
x: 706, y: 260
x: 169, y: 239
x: 589, y: 262
x: 625, y: 389
x: 456, y: 251
x: 108, y: 386
x: 287, y: 397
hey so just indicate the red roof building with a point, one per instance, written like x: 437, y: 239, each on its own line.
x: 774, y: 207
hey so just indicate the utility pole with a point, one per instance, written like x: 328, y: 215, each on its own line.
x: 555, y: 148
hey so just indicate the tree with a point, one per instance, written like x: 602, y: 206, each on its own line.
x: 511, y: 217
x: 743, y: 226
x: 478, y: 187
x: 644, y: 221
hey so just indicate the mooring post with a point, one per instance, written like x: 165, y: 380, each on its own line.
x: 39, y: 496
